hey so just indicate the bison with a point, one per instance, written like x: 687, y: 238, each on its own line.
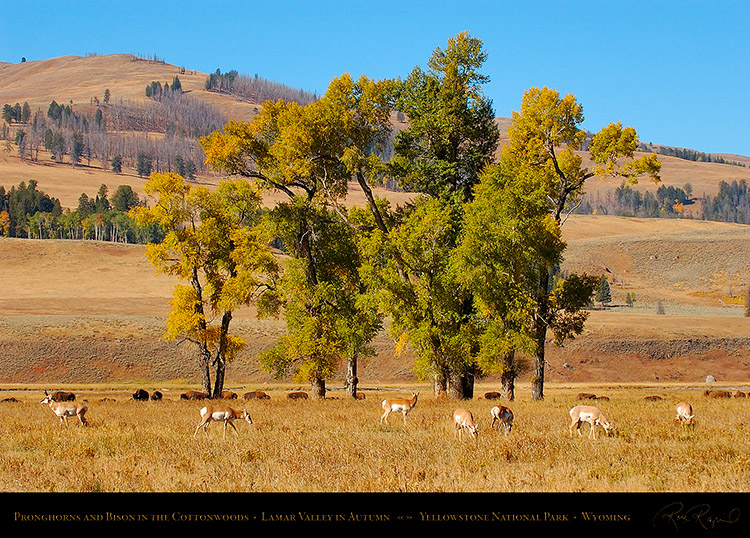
x: 62, y: 396
x: 140, y: 395
x: 717, y: 394
x: 156, y: 396
x: 193, y: 395
x: 299, y: 395
x: 586, y: 396
x: 228, y: 395
x: 492, y: 395
x: 256, y: 395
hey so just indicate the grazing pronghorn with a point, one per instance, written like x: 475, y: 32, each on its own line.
x: 502, y: 415
x: 221, y: 413
x: 63, y: 410
x: 685, y: 413
x: 402, y: 406
x: 465, y: 420
x: 587, y: 413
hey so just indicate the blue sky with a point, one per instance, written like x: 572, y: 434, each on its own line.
x: 677, y: 71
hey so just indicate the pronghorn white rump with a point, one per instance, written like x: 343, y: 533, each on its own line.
x: 502, y: 416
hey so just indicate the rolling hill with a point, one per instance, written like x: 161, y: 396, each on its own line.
x: 82, y: 311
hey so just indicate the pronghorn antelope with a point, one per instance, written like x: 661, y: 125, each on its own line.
x: 502, y: 415
x: 63, y: 410
x: 587, y: 413
x: 221, y: 413
x: 463, y: 419
x: 402, y: 406
x: 685, y: 413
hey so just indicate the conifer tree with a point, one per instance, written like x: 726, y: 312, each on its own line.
x: 603, y: 293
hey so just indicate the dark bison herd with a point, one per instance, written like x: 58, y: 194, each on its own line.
x: 142, y: 395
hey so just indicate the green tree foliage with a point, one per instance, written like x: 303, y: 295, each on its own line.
x: 603, y: 292
x: 255, y: 89
x: 213, y: 244
x: 9, y: 114
x: 125, y: 198
x: 509, y: 243
x: 630, y: 299
x: 76, y: 148
x: 731, y: 203
x: 451, y: 137
x: 22, y: 143
x: 117, y: 164
x: 184, y: 167
x: 144, y: 164
x: 25, y: 112
x: 33, y: 214
x: 24, y: 201
x: 452, y: 133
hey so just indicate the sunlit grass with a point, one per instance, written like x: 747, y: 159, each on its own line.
x: 339, y: 445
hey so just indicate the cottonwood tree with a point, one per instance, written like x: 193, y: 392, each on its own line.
x: 309, y: 154
x: 214, y: 244
x: 544, y: 155
x: 452, y: 135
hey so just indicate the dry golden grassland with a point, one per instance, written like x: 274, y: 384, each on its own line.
x: 338, y: 445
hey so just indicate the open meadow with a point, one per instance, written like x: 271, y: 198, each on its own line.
x: 338, y: 445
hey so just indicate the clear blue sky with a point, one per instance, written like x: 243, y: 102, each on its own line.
x: 678, y: 71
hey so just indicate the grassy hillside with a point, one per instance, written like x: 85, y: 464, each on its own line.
x: 87, y: 312
x: 77, y: 80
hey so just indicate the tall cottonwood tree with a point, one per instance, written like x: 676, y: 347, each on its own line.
x: 309, y: 154
x: 451, y: 136
x: 509, y: 241
x: 212, y: 243
x: 544, y: 155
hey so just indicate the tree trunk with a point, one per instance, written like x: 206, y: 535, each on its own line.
x: 467, y: 380
x: 540, y: 336
x: 205, y: 367
x: 440, y: 384
x: 351, y: 377
x: 508, y: 377
x: 220, y: 361
x: 461, y: 385
x: 456, y: 387
x: 205, y: 357
x: 318, y: 386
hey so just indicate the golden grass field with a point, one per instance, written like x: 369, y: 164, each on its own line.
x: 338, y: 445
